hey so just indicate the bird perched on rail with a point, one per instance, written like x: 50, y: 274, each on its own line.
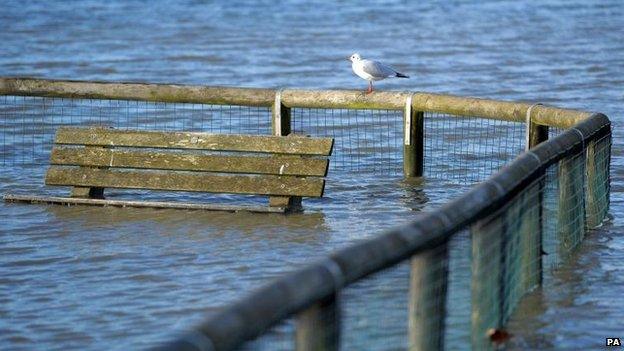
x: 372, y: 70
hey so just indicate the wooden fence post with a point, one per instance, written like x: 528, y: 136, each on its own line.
x: 318, y: 327
x: 281, y: 126
x: 571, y: 202
x: 280, y: 116
x: 535, y: 133
x: 413, y: 136
x: 488, y: 249
x: 593, y: 195
x: 597, y: 166
x: 427, y: 299
x: 531, y: 244
x: 533, y: 227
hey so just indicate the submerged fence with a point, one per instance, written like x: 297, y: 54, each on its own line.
x: 398, y: 289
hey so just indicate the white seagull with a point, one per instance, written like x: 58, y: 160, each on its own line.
x: 372, y: 70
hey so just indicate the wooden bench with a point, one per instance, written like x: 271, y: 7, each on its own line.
x: 285, y: 168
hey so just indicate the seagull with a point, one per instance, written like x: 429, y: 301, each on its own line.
x: 372, y: 70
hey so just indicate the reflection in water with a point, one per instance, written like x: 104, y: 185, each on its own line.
x: 415, y: 195
x: 299, y: 227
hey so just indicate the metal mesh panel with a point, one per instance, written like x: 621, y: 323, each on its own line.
x: 554, y: 131
x: 466, y: 149
x: 528, y: 237
x: 506, y: 262
x: 571, y: 214
x: 375, y: 311
x: 550, y: 218
x: 457, y: 322
x: 597, y: 187
x: 28, y: 125
x: 574, y: 201
x: 469, y: 149
x: 368, y: 141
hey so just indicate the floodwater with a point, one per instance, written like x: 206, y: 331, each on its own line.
x: 92, y: 278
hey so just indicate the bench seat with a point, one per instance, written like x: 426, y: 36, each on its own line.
x: 284, y: 168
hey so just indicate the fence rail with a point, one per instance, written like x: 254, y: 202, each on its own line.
x: 543, y: 201
x: 290, y: 98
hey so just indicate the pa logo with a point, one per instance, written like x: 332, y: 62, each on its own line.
x: 614, y: 342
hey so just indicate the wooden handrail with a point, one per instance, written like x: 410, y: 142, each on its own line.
x: 293, y: 98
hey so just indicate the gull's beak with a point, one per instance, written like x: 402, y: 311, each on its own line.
x: 348, y: 58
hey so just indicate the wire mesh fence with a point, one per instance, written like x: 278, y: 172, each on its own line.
x: 28, y: 124
x: 492, y: 264
x: 368, y: 141
x: 469, y: 149
x: 457, y: 318
x: 506, y: 258
x: 598, y: 180
x: 554, y: 131
x: 374, y: 311
x: 460, y: 149
x: 517, y: 246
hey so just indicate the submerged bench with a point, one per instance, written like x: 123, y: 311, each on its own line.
x: 285, y: 168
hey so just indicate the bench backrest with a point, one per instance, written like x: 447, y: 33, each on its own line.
x: 217, y: 163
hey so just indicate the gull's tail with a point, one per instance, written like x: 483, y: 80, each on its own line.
x: 401, y: 75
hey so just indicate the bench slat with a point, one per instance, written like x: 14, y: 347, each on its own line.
x: 100, y: 157
x: 98, y: 136
x: 186, y: 181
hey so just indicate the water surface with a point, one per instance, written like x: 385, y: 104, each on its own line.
x: 91, y: 278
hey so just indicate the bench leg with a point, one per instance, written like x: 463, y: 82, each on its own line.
x: 89, y: 192
x: 291, y: 203
x: 86, y: 192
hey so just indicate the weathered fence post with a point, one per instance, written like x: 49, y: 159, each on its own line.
x: 413, y: 136
x: 280, y: 122
x: 597, y: 165
x: 318, y: 327
x: 571, y: 202
x: 593, y: 212
x: 532, y: 223
x: 535, y: 133
x: 487, y: 279
x: 280, y: 116
x: 427, y: 299
x: 530, y: 232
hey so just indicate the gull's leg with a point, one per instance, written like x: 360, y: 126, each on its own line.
x: 370, y: 87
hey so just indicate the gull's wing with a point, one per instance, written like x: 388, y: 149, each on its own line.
x: 377, y: 69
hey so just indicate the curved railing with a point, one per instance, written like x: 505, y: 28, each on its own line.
x: 311, y: 291
x: 508, y: 215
